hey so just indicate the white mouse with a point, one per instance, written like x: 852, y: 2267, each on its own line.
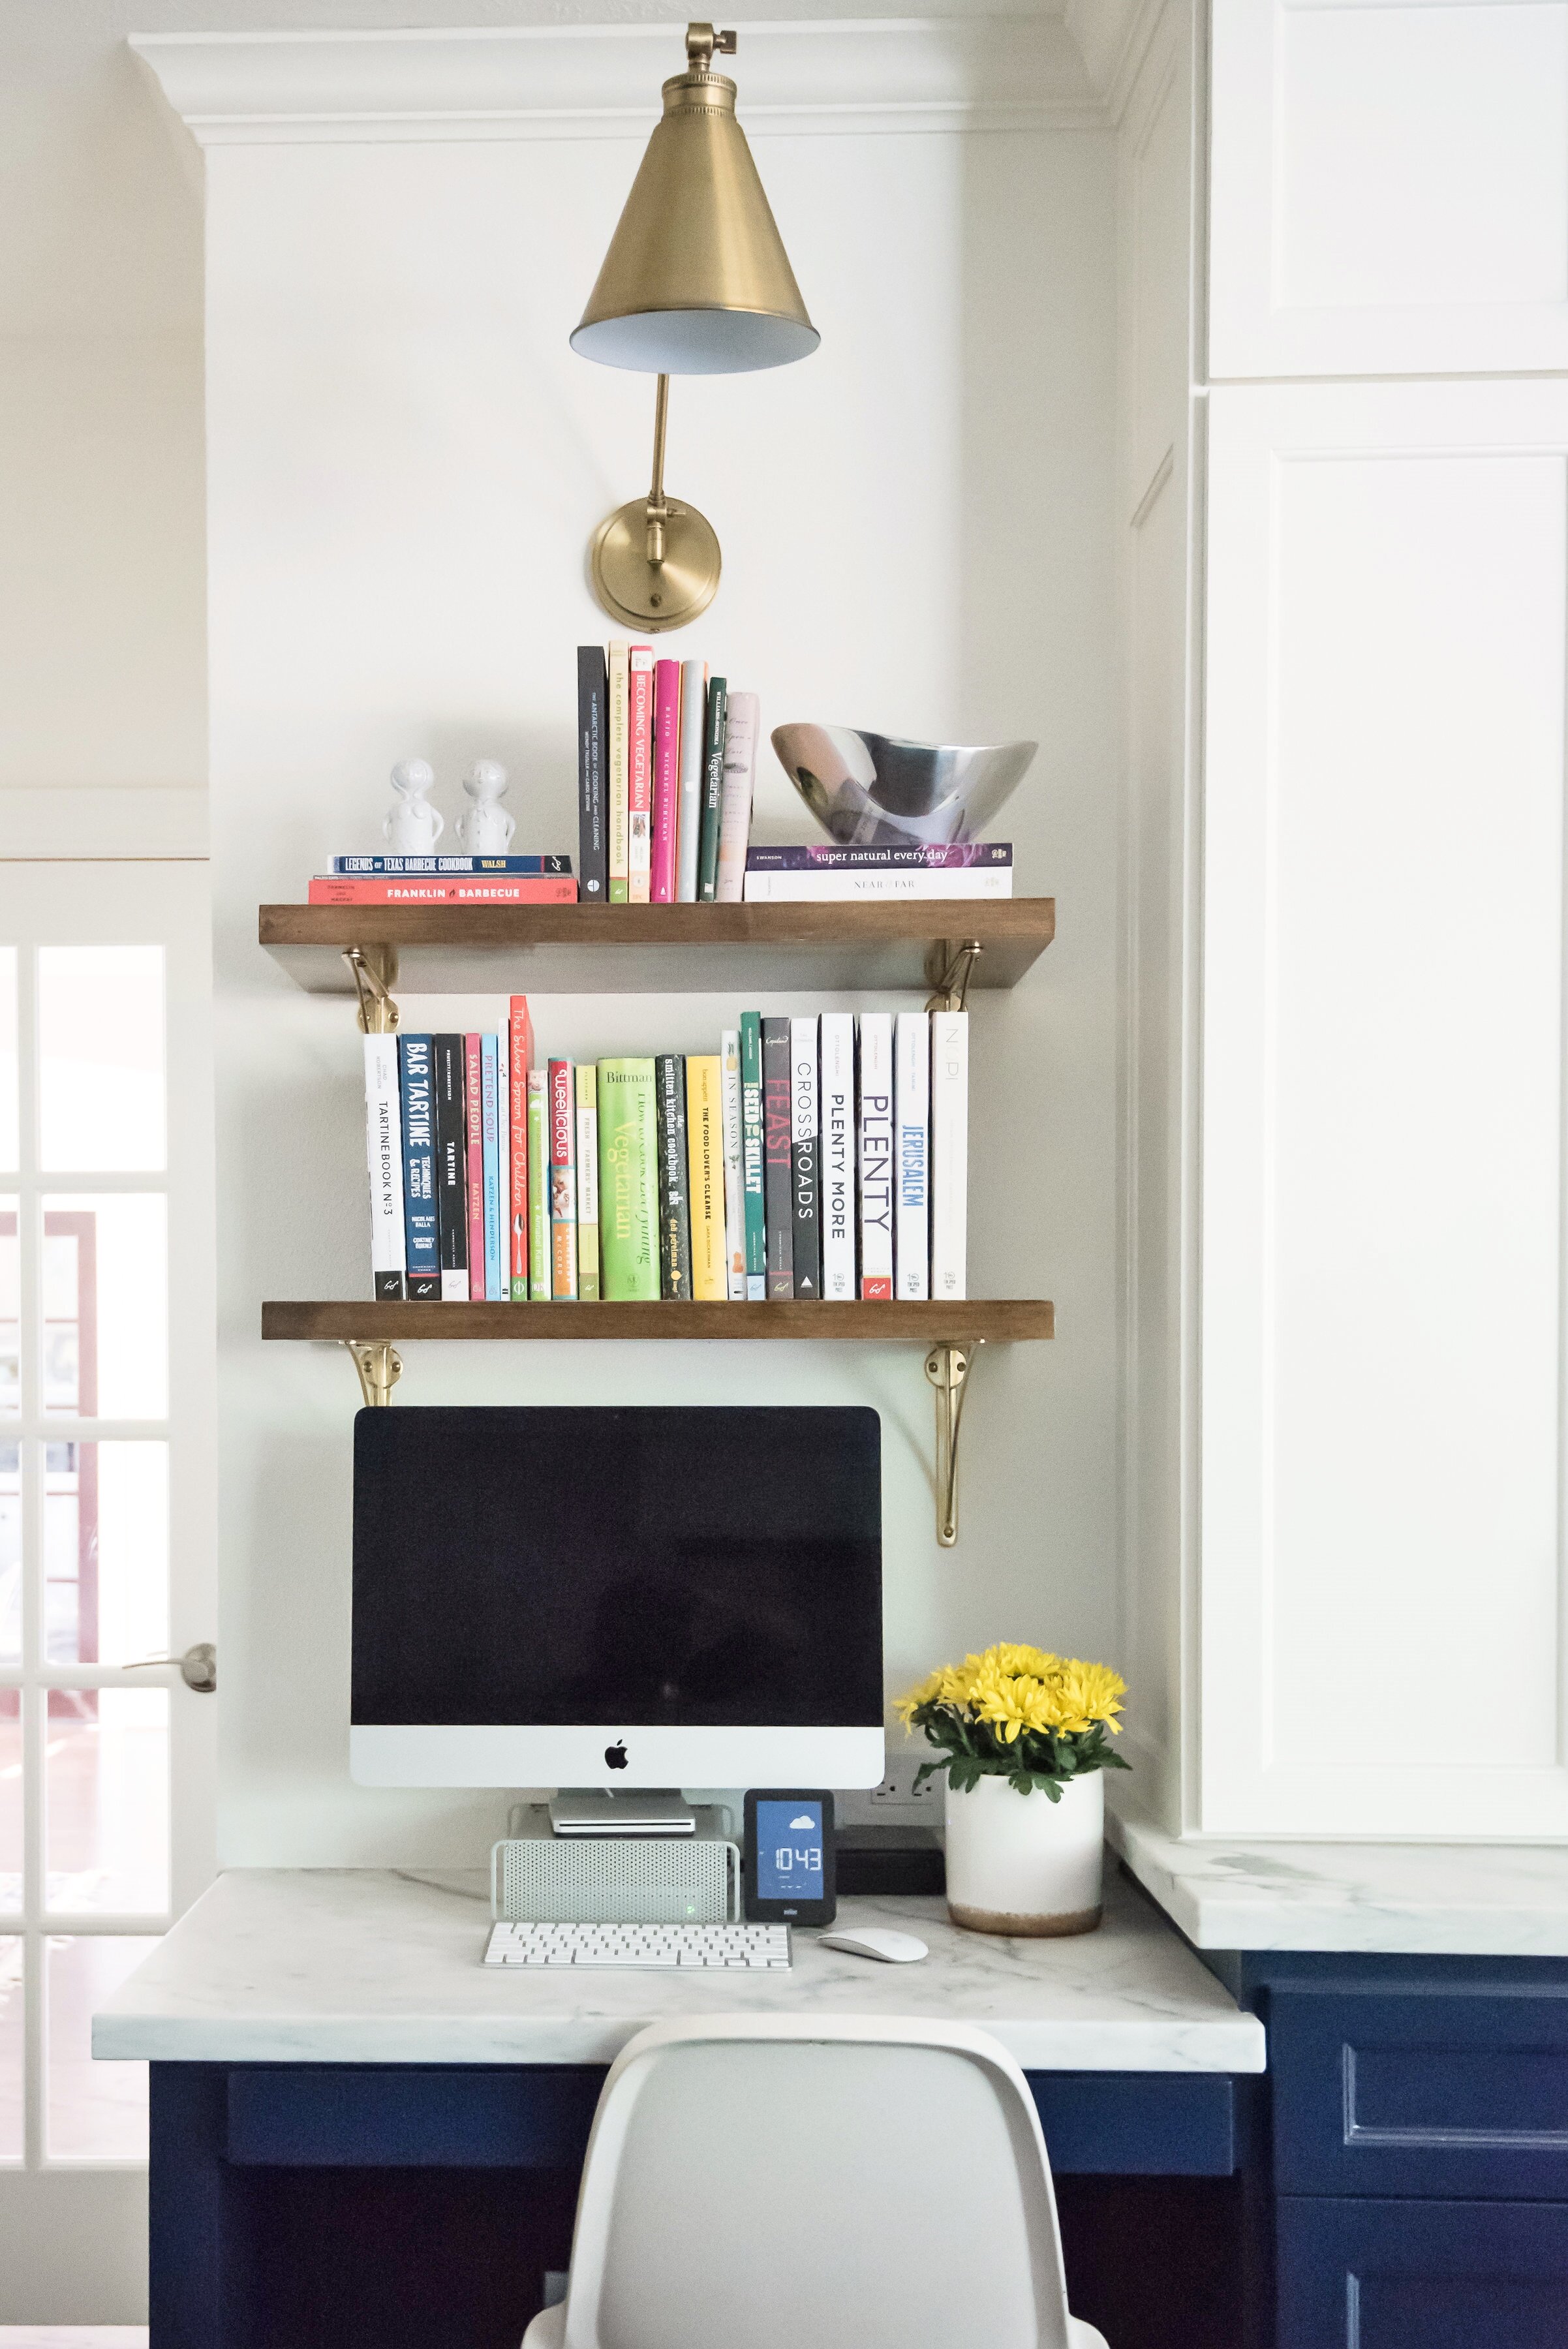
x: 876, y: 1941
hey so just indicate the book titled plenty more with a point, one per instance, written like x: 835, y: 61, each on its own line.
x: 824, y: 874
x: 815, y: 1157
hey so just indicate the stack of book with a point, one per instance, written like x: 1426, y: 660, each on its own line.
x: 818, y: 1158
x: 665, y: 760
x: 446, y: 881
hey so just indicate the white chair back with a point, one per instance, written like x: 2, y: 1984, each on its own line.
x: 784, y: 2182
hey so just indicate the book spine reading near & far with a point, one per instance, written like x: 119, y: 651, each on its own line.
x: 563, y: 1182
x: 587, y: 1083
x: 384, y: 1150
x: 419, y: 1228
x: 514, y: 1271
x: 619, y: 827
x: 538, y: 1186
x: 473, y: 1059
x: 778, y: 1157
x: 674, y: 1211
x: 639, y: 775
x: 593, y: 776
x: 451, y: 1169
x: 734, y: 1181
x: 836, y: 1120
x: 751, y: 1158
x: 875, y: 1154
x: 806, y: 1172
x: 912, y: 1156
x: 628, y: 1182
x: 949, y: 1153
x: 705, y: 1175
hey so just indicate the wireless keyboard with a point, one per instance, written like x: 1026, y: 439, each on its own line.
x: 743, y: 1948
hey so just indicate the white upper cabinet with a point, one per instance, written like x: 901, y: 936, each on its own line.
x: 1389, y: 188
x: 1382, y: 1631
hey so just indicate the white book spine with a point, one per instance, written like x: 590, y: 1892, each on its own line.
x: 735, y: 802
x: 693, y: 718
x: 384, y: 1151
x: 950, y: 1155
x: 837, y: 1119
x: 875, y: 1106
x: 912, y: 1115
x: 830, y: 888
x: 734, y: 1189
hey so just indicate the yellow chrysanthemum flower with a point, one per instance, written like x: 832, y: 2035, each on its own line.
x: 1014, y: 1687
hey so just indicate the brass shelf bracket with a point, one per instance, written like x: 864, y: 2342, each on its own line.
x: 955, y: 964
x: 374, y: 971
x: 948, y: 1369
x: 380, y: 1366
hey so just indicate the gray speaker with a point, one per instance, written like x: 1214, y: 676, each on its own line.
x: 538, y: 1877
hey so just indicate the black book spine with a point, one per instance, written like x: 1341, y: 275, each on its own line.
x: 805, y: 1158
x: 674, y: 1200
x: 593, y: 776
x: 778, y: 1171
x: 452, y: 1164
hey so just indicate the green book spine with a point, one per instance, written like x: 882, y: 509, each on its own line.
x: 674, y: 1193
x: 538, y: 1186
x: 629, y: 1183
x: 712, y: 789
x: 752, y: 1157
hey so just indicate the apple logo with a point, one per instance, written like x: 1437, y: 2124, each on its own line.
x: 615, y: 1756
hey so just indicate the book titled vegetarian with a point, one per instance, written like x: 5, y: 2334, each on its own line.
x: 628, y: 1182
x: 912, y: 1156
x: 384, y: 1151
x: 444, y: 889
x: 587, y: 1182
x: 778, y: 1173
x: 836, y: 1118
x: 420, y: 1230
x: 949, y: 1153
x: 714, y: 742
x: 538, y: 1186
x: 734, y: 1177
x: 674, y: 1207
x: 452, y: 1168
x: 752, y: 1176
x: 520, y: 1029
x: 705, y: 1174
x: 593, y: 775
x: 875, y: 1154
x: 804, y: 1166
x: 563, y: 1182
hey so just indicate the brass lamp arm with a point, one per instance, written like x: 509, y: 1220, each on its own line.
x: 658, y: 509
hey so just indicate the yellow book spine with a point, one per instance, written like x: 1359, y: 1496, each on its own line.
x: 705, y: 1157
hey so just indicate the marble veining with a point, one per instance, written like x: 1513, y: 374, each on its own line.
x: 366, y: 1965
x: 1418, y: 1900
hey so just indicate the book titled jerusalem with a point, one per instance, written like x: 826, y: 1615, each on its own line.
x: 563, y: 1182
x: 912, y: 1156
x: 754, y: 1198
x: 593, y: 776
x: 628, y: 1182
x: 587, y: 1182
x: 836, y: 1118
x: 734, y: 1177
x: 674, y: 1198
x: 618, y: 713
x: 451, y: 1169
x: 538, y: 1186
x: 705, y: 1174
x: 778, y: 1170
x: 420, y: 1229
x: 806, y: 1173
x: 875, y: 1154
x: 639, y: 775
x: 949, y: 1153
x: 384, y: 1151
x: 520, y: 1029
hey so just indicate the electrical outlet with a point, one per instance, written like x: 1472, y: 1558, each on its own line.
x: 895, y: 1802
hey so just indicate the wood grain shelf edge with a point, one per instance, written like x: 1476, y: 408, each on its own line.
x: 995, y: 1321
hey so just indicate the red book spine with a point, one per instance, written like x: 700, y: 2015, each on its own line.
x: 444, y: 889
x: 666, y: 777
x: 474, y: 1091
x: 522, y: 1029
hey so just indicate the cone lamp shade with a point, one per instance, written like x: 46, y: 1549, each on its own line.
x: 696, y: 280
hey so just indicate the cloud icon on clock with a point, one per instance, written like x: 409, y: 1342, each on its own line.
x: 804, y: 1820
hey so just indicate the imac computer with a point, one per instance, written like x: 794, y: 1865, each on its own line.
x: 617, y: 1597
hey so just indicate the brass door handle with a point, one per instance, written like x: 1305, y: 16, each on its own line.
x: 198, y: 1667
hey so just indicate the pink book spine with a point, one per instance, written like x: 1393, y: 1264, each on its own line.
x: 472, y: 1058
x: 521, y: 1028
x: 666, y: 777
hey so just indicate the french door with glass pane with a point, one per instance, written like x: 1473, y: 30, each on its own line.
x: 106, y: 1350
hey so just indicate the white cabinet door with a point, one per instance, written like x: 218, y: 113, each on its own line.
x: 1389, y: 187
x: 1382, y: 1217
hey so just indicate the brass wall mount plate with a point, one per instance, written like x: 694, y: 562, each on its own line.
x: 655, y: 596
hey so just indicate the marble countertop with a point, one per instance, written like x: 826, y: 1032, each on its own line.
x: 1416, y: 1899
x: 365, y: 1965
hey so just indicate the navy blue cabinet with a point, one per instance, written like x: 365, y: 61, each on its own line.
x: 1422, y: 2275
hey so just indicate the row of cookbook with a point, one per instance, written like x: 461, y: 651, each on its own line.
x: 666, y: 762
x: 816, y: 1157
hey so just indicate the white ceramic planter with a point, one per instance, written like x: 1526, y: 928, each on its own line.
x: 1023, y: 1863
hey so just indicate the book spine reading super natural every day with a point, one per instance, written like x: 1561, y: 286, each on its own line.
x: 819, y: 1156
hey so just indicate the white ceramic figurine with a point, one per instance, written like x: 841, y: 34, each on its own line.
x: 485, y: 829
x: 413, y: 827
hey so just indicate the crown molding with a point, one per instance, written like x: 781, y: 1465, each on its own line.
x: 584, y: 81
x: 1113, y: 37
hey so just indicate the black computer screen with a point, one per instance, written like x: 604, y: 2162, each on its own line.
x: 689, y: 1566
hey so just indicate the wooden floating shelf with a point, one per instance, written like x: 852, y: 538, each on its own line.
x: 661, y: 950
x: 991, y: 1320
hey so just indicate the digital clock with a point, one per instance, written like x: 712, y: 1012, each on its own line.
x: 788, y: 1863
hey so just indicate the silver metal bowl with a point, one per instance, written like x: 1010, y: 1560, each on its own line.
x: 871, y: 791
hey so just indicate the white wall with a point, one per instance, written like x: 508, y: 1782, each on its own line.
x: 405, y: 462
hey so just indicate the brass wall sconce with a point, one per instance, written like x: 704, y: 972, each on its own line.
x: 696, y: 281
